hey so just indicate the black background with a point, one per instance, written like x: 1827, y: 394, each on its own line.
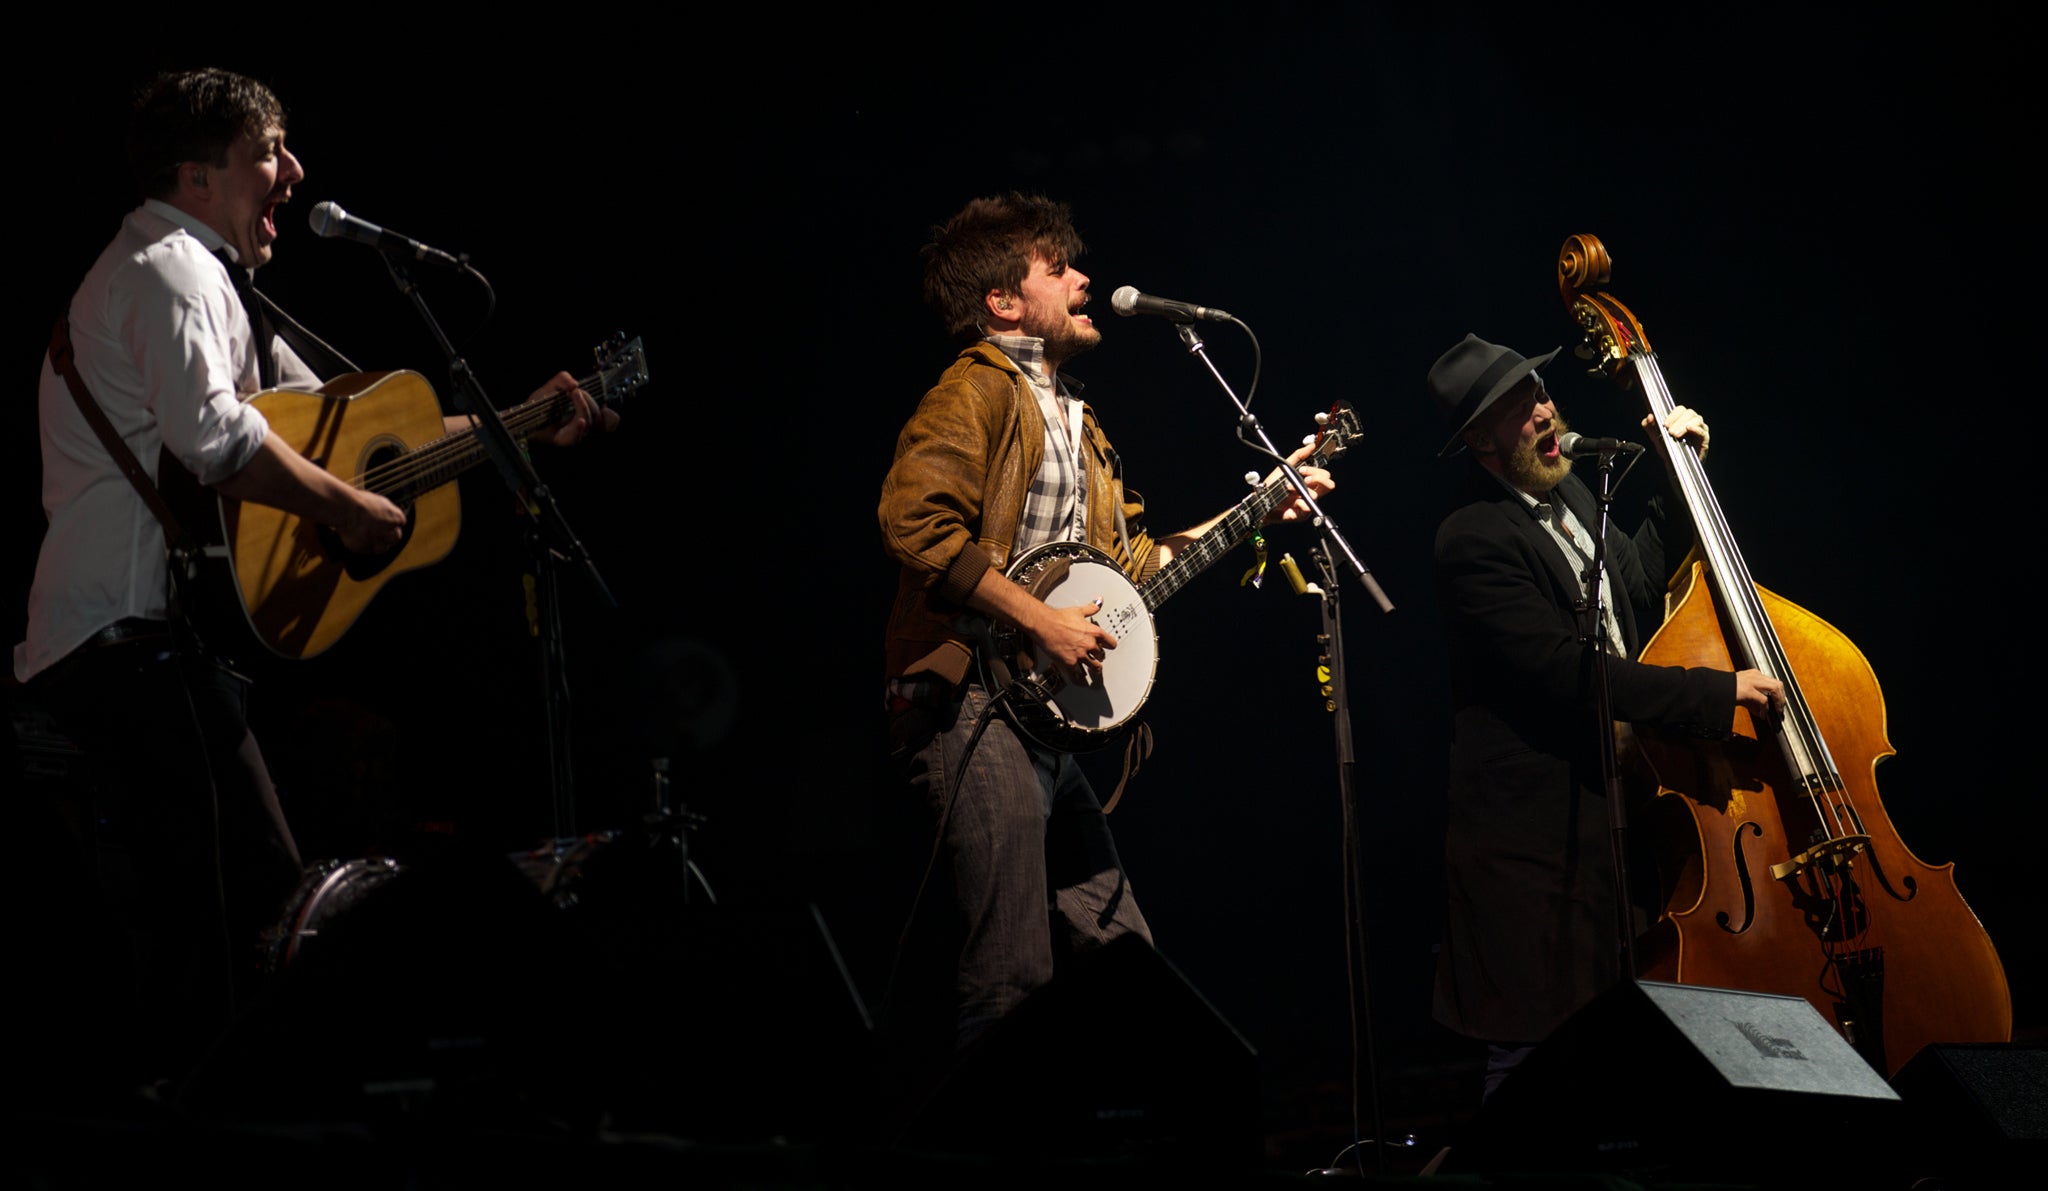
x: 1821, y: 220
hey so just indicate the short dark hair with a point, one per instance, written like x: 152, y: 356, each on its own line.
x: 193, y: 116
x: 989, y: 245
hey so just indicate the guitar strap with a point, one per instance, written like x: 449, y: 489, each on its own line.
x: 321, y: 356
x: 62, y: 359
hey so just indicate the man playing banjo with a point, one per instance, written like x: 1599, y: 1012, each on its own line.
x: 1002, y: 456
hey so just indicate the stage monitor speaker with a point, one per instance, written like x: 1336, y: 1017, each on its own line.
x: 1119, y: 1058
x: 1683, y: 1081
x: 1977, y: 1112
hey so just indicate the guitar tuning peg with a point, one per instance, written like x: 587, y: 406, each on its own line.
x: 1308, y: 440
x: 1323, y: 419
x: 1252, y: 478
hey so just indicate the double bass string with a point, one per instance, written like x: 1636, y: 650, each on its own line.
x: 1805, y: 748
x: 1803, y: 744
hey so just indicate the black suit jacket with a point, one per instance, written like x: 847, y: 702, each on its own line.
x: 1531, y: 909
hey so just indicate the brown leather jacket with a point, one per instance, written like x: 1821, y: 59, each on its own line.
x: 952, y: 497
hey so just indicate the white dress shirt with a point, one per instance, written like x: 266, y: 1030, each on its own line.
x: 167, y: 351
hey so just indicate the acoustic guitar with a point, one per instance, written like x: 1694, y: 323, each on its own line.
x: 298, y: 588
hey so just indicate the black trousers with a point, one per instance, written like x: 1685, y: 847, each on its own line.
x: 195, y: 855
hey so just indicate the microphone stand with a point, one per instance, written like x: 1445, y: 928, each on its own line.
x: 1364, y: 1074
x: 1595, y: 639
x: 552, y: 538
x: 1246, y: 423
x: 1336, y: 693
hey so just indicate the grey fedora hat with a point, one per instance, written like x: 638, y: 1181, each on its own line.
x: 1466, y: 380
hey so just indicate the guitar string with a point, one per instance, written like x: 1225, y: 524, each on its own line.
x: 435, y: 462
x: 423, y: 468
x: 452, y: 451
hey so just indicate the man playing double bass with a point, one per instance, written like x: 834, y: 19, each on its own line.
x: 1531, y: 934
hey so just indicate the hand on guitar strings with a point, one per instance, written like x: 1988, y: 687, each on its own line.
x: 587, y: 413
x: 1686, y: 425
x: 280, y: 477
x: 1317, y: 479
x: 372, y: 524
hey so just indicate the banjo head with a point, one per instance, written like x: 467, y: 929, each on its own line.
x: 1125, y: 681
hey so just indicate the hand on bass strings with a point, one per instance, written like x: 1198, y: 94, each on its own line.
x: 1685, y: 425
x: 1759, y: 692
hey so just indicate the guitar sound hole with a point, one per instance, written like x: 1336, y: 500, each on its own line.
x: 363, y: 566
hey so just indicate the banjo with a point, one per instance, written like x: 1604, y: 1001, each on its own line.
x: 1071, y: 717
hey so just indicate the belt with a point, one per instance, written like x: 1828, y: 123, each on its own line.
x: 132, y: 628
x: 121, y: 632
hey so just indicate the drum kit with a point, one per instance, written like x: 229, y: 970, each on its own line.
x: 646, y: 870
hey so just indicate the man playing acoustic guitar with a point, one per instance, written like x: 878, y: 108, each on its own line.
x: 1002, y: 456
x: 169, y: 341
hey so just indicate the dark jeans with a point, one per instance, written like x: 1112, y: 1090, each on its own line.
x: 1025, y: 869
x: 196, y: 855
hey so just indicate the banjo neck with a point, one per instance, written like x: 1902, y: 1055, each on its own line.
x: 1199, y: 555
x: 1339, y: 427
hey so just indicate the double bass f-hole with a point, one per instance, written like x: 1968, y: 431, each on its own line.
x: 1768, y: 889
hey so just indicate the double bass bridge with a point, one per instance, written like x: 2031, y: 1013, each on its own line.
x: 1839, y: 852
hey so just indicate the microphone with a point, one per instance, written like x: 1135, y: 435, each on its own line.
x: 329, y: 220
x: 1577, y: 446
x: 1128, y: 301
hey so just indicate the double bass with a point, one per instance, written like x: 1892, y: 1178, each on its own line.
x: 1782, y: 871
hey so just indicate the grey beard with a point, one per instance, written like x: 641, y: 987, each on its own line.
x: 1531, y: 472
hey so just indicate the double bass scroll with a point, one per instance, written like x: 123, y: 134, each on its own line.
x: 1784, y: 873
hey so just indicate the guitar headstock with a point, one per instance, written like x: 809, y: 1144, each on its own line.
x: 1335, y: 432
x: 1613, y: 333
x: 621, y: 369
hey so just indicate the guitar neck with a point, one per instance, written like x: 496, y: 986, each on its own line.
x: 1222, y: 537
x: 433, y: 464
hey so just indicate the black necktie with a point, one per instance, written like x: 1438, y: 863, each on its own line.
x: 259, y: 320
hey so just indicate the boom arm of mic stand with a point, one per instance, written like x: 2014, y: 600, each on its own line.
x: 498, y: 443
x: 1245, y: 421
